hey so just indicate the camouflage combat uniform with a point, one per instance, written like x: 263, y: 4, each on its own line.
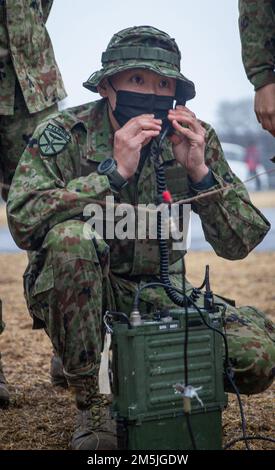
x: 80, y: 278
x: 30, y: 82
x: 257, y: 31
x: 72, y: 280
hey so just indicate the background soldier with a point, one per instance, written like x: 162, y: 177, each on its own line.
x: 257, y: 30
x: 30, y: 88
x: 103, y: 148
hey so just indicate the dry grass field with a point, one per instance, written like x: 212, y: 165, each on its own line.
x: 41, y: 417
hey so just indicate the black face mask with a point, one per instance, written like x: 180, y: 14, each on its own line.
x: 130, y: 104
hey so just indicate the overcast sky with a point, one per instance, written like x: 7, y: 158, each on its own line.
x: 206, y: 32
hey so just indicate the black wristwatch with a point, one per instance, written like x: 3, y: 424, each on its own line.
x: 108, y: 167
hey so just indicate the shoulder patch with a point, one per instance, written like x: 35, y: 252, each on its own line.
x: 53, y: 140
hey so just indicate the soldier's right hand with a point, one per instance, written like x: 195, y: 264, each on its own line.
x: 130, y: 139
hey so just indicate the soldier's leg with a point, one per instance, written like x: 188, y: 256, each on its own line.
x: 15, y: 133
x: 4, y: 393
x: 250, y: 335
x: 58, y: 378
x: 251, y: 341
x: 67, y: 297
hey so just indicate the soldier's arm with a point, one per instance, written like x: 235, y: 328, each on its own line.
x: 46, y: 7
x: 40, y: 198
x: 257, y: 31
x: 231, y: 224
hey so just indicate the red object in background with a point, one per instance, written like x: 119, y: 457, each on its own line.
x: 252, y: 158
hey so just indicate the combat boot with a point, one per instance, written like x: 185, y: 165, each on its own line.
x: 4, y: 393
x: 87, y: 435
x: 58, y: 378
x: 95, y: 430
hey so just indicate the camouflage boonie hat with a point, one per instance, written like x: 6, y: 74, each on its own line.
x: 147, y: 48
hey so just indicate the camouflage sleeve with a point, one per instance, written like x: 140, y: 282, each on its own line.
x: 257, y: 31
x: 40, y: 197
x: 46, y: 7
x: 231, y: 224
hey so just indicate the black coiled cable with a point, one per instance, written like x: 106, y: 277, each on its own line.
x: 163, y: 246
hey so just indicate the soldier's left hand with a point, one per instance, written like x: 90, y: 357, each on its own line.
x: 188, y: 142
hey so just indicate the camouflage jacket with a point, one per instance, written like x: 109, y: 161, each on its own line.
x: 257, y: 31
x: 26, y: 54
x: 49, y: 189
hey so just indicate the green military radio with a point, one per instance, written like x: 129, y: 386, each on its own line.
x: 151, y: 404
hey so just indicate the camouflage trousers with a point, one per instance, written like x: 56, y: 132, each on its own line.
x: 76, y: 286
x: 15, y: 133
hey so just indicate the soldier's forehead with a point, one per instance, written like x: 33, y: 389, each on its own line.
x: 141, y: 70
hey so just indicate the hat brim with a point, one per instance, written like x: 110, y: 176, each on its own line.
x: 184, y: 85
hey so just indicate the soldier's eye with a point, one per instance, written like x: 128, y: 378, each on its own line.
x: 164, y: 84
x: 137, y: 80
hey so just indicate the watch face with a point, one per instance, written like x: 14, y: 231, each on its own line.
x: 106, y: 165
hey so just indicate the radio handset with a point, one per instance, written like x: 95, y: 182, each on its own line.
x: 167, y: 127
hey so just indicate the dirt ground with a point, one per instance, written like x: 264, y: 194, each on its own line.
x: 41, y: 417
x: 263, y: 199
